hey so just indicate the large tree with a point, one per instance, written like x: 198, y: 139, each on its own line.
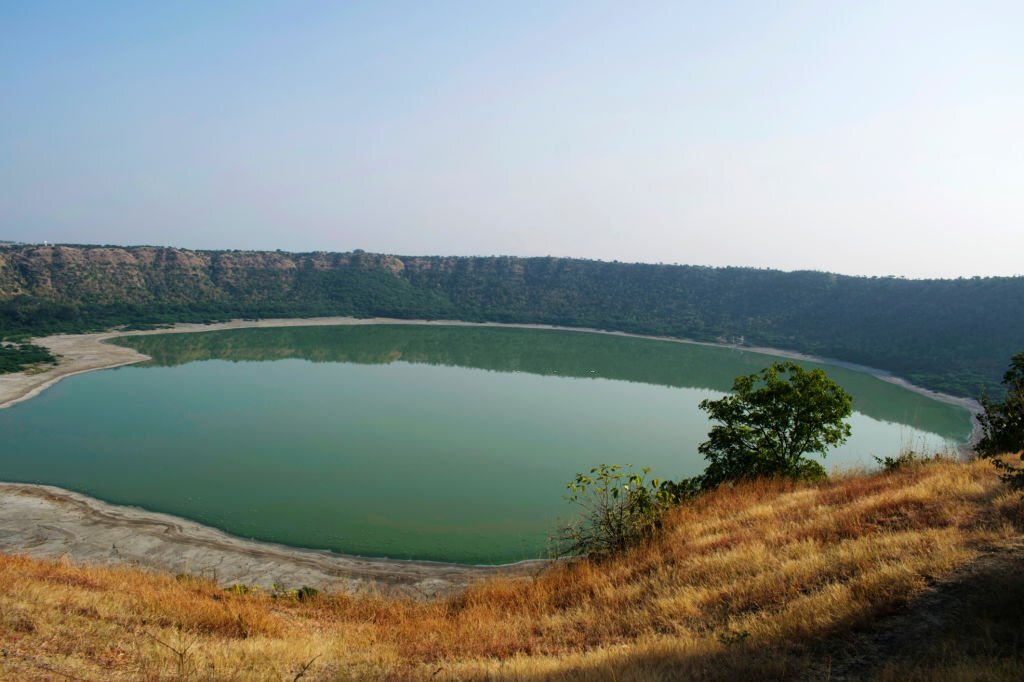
x: 770, y: 421
x: 1002, y: 423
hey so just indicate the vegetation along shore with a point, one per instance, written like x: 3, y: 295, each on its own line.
x: 851, y: 578
x: 947, y: 335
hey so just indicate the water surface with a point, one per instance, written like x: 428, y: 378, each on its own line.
x: 445, y: 443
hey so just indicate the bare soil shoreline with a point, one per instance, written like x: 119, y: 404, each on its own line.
x: 48, y: 522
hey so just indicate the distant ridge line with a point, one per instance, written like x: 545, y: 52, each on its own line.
x: 953, y: 335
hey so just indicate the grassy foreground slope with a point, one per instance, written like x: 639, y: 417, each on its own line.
x: 766, y: 580
x: 950, y: 335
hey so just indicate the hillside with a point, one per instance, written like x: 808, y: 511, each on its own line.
x: 950, y: 335
x: 897, y: 576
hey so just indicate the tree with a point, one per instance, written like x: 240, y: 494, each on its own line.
x: 1002, y: 423
x: 770, y: 421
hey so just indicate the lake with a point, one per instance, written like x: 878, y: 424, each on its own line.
x: 426, y: 442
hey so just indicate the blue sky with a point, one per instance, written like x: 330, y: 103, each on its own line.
x: 862, y: 138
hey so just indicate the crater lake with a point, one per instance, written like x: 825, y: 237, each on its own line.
x: 443, y: 443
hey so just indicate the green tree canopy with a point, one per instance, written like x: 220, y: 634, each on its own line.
x: 770, y: 421
x: 1002, y: 423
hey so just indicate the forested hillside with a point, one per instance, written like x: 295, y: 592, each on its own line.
x: 951, y: 335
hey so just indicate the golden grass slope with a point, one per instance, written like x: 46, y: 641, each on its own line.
x: 765, y: 581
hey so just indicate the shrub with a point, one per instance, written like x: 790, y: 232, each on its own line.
x: 306, y: 593
x: 619, y: 507
x: 1002, y: 424
x: 906, y: 459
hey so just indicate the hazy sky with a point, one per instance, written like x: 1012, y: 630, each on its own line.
x: 856, y: 137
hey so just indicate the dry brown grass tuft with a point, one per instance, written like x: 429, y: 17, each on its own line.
x: 762, y: 580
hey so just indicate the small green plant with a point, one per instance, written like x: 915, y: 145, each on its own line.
x: 303, y: 594
x: 908, y: 458
x: 241, y: 589
x: 903, y: 460
x: 619, y: 507
x: 306, y: 593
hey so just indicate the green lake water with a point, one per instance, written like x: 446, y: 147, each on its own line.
x: 426, y: 442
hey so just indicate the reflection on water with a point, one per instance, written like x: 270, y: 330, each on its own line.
x: 543, y: 352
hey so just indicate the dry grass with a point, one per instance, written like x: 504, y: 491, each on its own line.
x: 763, y: 581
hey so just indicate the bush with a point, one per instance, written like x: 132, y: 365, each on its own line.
x: 15, y: 357
x: 306, y: 593
x: 907, y: 459
x: 619, y: 507
x: 1002, y: 424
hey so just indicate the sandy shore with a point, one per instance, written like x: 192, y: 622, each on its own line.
x: 48, y: 522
